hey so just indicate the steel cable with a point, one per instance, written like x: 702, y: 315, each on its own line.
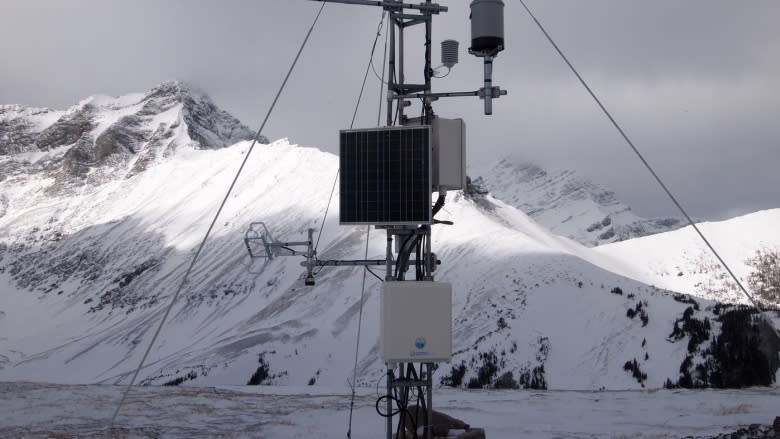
x: 645, y: 162
x: 213, y: 222
x: 368, y: 228
x: 351, y: 125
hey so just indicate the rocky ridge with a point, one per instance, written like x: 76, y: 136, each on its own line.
x: 103, y: 135
x: 568, y: 204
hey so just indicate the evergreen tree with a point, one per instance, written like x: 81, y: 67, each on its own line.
x: 765, y: 278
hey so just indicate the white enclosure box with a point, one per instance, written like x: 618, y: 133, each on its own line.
x: 449, y: 154
x: 416, y: 322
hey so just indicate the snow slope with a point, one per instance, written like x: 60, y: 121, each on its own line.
x: 566, y: 203
x: 90, y: 272
x: 102, y: 210
x: 679, y: 260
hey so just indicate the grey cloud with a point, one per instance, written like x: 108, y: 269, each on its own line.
x: 694, y: 82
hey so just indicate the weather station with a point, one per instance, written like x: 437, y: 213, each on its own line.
x: 388, y: 178
x: 395, y: 178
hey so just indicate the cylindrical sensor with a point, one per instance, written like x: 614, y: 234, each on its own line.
x: 449, y: 53
x: 487, y: 26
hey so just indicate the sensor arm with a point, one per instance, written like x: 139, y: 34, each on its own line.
x: 391, y: 5
x: 496, y: 92
x: 357, y: 262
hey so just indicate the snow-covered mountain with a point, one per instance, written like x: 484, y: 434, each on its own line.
x: 679, y: 260
x: 86, y: 273
x: 20, y: 126
x: 104, y: 136
x: 566, y: 203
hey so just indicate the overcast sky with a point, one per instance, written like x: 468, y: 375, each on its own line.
x: 695, y: 83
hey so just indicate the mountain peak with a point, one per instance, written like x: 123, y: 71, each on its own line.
x: 133, y: 129
x: 568, y: 204
x: 178, y: 89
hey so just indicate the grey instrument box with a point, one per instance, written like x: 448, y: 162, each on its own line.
x: 416, y: 322
x: 449, y: 154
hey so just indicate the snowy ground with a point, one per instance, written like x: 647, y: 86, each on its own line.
x: 46, y: 410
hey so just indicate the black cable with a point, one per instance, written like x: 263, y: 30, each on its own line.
x: 392, y: 413
x: 449, y: 70
x: 322, y: 267
x: 398, y: 104
x: 287, y: 248
x: 399, y: 261
x: 377, y: 74
x: 644, y: 161
x: 402, y: 409
x: 420, y: 402
x: 418, y: 262
x: 382, y: 79
x: 375, y: 275
x: 404, y: 403
x: 403, y: 254
x: 399, y: 402
x: 371, y: 61
x: 439, y: 204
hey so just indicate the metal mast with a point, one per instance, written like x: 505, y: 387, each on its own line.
x: 410, y: 236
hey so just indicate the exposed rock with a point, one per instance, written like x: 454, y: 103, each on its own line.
x: 79, y: 158
x: 20, y: 126
x: 441, y: 423
x: 109, y: 134
x: 568, y: 204
x: 3, y: 204
x: 753, y: 431
x: 123, y: 136
x: 207, y: 125
x: 15, y: 136
x: 67, y: 130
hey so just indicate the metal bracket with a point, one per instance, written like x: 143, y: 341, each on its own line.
x: 496, y: 92
x: 261, y: 244
x: 272, y: 248
x: 391, y: 5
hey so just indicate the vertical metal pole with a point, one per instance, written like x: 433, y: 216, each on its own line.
x: 488, y: 85
x: 389, y: 257
x: 428, y: 69
x: 401, y: 75
x: 429, y: 430
x: 401, y: 78
x: 310, y: 260
x: 428, y: 256
x: 427, y: 252
x: 404, y: 397
x: 382, y: 85
x: 389, y: 404
x: 391, y: 72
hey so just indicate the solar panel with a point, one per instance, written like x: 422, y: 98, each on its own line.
x: 386, y: 176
